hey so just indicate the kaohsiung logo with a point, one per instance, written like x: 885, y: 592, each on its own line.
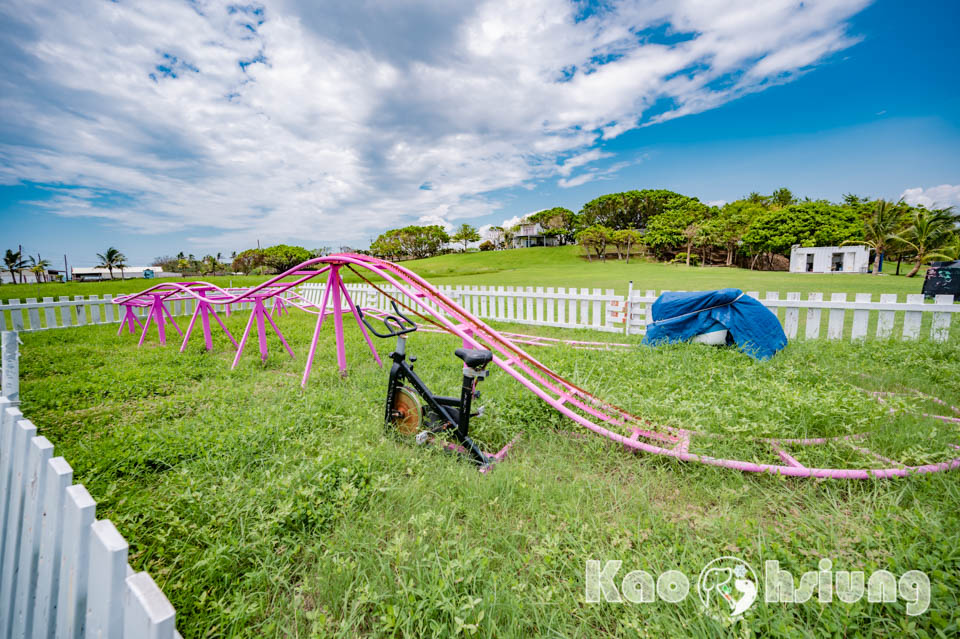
x: 729, y: 588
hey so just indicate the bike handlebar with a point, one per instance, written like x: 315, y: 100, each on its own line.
x: 403, y: 323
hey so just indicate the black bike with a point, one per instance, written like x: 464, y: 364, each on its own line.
x: 431, y: 414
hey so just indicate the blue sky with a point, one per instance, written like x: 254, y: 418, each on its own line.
x: 157, y: 127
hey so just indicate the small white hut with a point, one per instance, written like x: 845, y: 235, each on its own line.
x: 829, y: 259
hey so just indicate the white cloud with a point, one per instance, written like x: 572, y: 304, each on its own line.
x: 428, y: 220
x: 334, y: 121
x: 583, y: 178
x: 716, y: 202
x: 581, y: 159
x: 934, y: 197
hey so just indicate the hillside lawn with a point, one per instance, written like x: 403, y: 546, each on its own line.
x: 554, y: 266
x: 264, y: 510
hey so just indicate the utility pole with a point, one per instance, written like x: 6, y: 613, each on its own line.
x: 66, y: 273
x: 20, y: 257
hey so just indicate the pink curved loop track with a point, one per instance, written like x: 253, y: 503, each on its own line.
x: 571, y: 401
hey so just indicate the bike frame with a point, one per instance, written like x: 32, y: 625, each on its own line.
x: 454, y: 411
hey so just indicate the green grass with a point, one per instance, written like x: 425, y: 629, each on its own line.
x: 565, y: 266
x: 266, y: 511
x: 557, y: 266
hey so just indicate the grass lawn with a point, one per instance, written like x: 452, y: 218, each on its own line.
x: 266, y: 511
x: 558, y: 266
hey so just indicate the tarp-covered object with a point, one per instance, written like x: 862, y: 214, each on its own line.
x: 677, y: 317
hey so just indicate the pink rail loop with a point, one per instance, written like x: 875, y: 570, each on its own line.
x: 593, y: 413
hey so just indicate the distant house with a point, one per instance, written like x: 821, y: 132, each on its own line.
x: 129, y: 273
x: 829, y: 259
x: 532, y: 235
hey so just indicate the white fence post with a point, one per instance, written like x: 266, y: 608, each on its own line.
x: 59, y: 476
x: 10, y: 362
x: 9, y: 417
x: 885, y: 318
x: 41, y: 450
x: 79, y: 510
x: 940, y: 327
x: 108, y: 571
x: 912, y: 319
x: 147, y: 613
x: 24, y: 432
x: 791, y: 317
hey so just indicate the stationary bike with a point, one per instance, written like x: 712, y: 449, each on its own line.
x: 412, y: 410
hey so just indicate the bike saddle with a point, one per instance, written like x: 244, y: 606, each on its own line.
x: 474, y: 357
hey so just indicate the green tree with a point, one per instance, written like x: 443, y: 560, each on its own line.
x: 386, y: 247
x: 928, y: 233
x: 951, y: 250
x: 413, y: 241
x: 783, y: 197
x: 39, y: 266
x: 631, y: 209
x: 558, y: 222
x: 880, y: 229
x: 668, y: 231
x: 487, y: 245
x: 497, y: 236
x: 816, y: 223
x: 284, y: 257
x: 244, y: 262
x: 466, y: 234
x: 111, y: 259
x: 13, y: 260
x: 625, y: 240
x: 728, y: 225
x: 595, y: 238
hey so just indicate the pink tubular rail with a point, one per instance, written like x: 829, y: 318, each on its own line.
x: 560, y: 394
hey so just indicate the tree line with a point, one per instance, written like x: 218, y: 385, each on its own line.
x: 252, y: 261
x: 757, y: 231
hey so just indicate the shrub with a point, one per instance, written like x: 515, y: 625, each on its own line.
x: 681, y: 258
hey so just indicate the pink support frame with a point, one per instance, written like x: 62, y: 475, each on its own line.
x: 571, y: 401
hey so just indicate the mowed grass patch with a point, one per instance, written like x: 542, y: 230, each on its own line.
x: 266, y: 510
x: 563, y: 266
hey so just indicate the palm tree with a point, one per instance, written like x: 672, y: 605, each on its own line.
x: 880, y: 229
x: 111, y: 259
x: 951, y: 251
x: 39, y: 266
x: 13, y: 260
x: 928, y: 233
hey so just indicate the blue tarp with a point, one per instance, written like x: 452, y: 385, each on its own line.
x: 677, y: 317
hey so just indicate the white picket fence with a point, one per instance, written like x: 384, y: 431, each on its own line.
x: 885, y: 318
x: 543, y: 306
x: 856, y: 316
x: 605, y: 311
x: 65, y: 312
x: 63, y: 573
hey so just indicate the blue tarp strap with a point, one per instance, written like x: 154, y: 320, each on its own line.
x: 702, y: 310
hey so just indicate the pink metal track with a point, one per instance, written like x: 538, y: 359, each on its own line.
x: 573, y: 402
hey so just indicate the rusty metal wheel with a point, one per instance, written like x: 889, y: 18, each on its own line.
x: 406, y: 414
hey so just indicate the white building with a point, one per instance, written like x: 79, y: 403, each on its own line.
x: 829, y: 259
x: 128, y: 273
x: 531, y: 234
